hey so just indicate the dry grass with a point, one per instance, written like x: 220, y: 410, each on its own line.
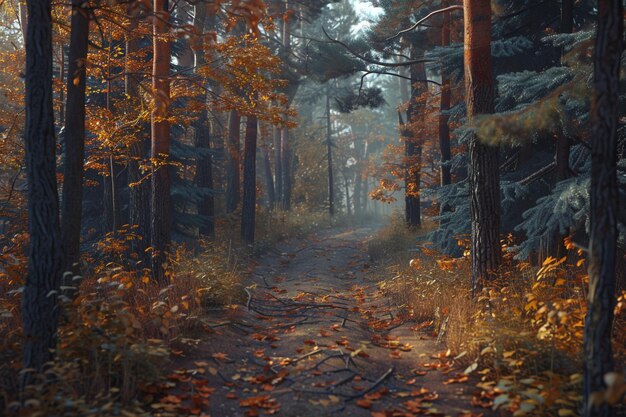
x: 522, y: 335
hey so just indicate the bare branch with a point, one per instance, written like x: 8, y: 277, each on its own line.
x: 422, y: 20
x: 373, y: 61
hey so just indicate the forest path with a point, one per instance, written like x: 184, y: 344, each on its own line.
x: 317, y: 338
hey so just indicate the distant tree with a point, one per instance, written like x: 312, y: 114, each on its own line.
x: 160, y: 220
x: 204, y: 162
x: 139, y: 188
x: 604, y: 210
x: 233, y: 169
x: 249, y: 180
x: 40, y: 310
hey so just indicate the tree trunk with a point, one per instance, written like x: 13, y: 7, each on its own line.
x: 40, y: 311
x: 604, y: 197
x: 204, y: 164
x: 484, y: 172
x: 278, y: 162
x: 563, y: 141
x: 285, y: 145
x: 444, y: 128
x: 269, y: 180
x: 329, y: 157
x: 62, y: 99
x: 346, y: 186
x: 73, y: 165
x: 234, y: 162
x: 285, y: 154
x: 413, y: 149
x: 139, y: 188
x: 161, y: 210
x: 356, y: 194
x: 249, y: 181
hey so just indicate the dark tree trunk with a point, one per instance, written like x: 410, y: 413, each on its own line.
x: 204, y: 164
x: 604, y: 197
x: 110, y: 196
x: 249, y: 181
x: 40, y: 311
x: 285, y: 140
x: 233, y: 173
x: 73, y: 166
x: 413, y: 149
x: 161, y: 210
x: 411, y: 203
x: 329, y: 157
x: 444, y: 128
x: 278, y: 162
x: 269, y: 180
x: 285, y: 154
x: 139, y: 187
x: 563, y: 141
x: 567, y: 16
x: 484, y: 172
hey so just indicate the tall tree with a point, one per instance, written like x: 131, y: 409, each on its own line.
x: 444, y: 117
x: 285, y: 145
x: 249, y: 180
x: 329, y: 156
x: 563, y: 142
x: 233, y: 173
x: 40, y: 311
x: 161, y: 210
x: 204, y: 162
x: 73, y: 167
x: 604, y: 197
x: 412, y: 146
x: 484, y: 169
x: 139, y: 189
x: 278, y: 164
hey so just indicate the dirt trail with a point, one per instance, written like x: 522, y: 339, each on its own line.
x: 316, y: 338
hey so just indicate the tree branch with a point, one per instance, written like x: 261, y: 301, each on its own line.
x: 422, y: 20
x: 373, y: 61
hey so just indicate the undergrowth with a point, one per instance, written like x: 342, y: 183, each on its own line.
x: 520, y: 338
x: 120, y: 330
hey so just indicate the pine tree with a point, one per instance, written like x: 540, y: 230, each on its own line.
x: 604, y: 199
x: 40, y: 310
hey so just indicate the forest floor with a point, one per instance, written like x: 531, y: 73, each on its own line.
x: 317, y: 337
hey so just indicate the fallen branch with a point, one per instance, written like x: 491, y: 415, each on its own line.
x: 375, y: 385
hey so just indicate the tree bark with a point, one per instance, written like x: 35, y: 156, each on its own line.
x: 204, y: 164
x: 73, y: 164
x: 604, y: 197
x: 269, y: 180
x: 563, y: 141
x: 329, y: 157
x: 444, y: 117
x: 234, y: 162
x: 40, y: 311
x: 284, y: 138
x: 161, y: 210
x: 484, y: 173
x: 285, y: 154
x: 249, y: 181
x: 413, y: 149
x: 278, y: 162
